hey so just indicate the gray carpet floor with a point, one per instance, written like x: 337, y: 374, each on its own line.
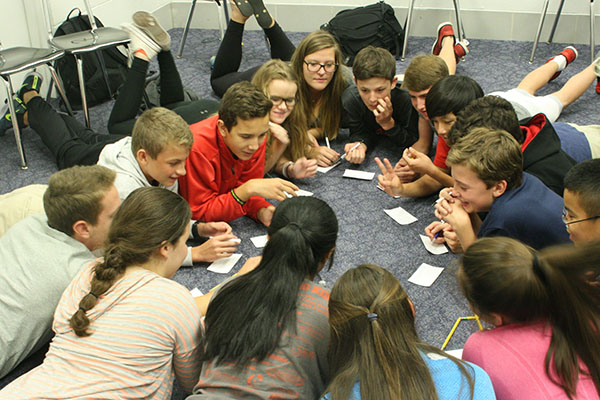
x: 367, y: 234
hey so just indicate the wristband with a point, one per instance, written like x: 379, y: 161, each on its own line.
x: 235, y: 196
x: 285, y: 168
x: 195, y: 233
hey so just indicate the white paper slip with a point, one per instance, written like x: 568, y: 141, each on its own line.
x: 401, y: 216
x: 456, y: 353
x: 380, y: 188
x: 224, y: 265
x: 259, y: 241
x: 325, y: 170
x: 300, y: 192
x: 433, y: 248
x: 196, y: 292
x: 425, y: 275
x: 353, y: 173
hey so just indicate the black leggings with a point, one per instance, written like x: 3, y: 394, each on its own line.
x: 126, y: 107
x: 229, y: 57
x: 69, y: 141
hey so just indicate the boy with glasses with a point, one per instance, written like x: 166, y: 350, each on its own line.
x: 581, y: 213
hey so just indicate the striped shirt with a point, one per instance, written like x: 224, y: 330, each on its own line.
x: 145, y: 330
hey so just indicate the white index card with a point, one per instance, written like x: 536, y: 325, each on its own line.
x: 196, y: 292
x: 425, y: 275
x: 433, y: 248
x: 300, y: 192
x: 401, y: 216
x: 325, y: 170
x: 353, y: 173
x: 259, y: 241
x: 456, y: 353
x: 224, y: 265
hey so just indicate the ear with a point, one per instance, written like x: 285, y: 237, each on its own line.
x: 394, y: 81
x: 497, y: 319
x: 354, y: 80
x: 81, y: 230
x: 165, y: 249
x: 142, y: 156
x: 222, y: 128
x: 412, y: 307
x: 499, y: 188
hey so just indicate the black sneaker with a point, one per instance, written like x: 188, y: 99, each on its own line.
x: 6, y: 122
x: 32, y: 81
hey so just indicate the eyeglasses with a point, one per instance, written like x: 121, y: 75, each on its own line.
x: 289, y: 102
x: 315, y: 66
x: 567, y: 222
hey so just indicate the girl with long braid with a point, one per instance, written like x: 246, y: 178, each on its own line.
x: 123, y: 329
x: 266, y: 331
x: 546, y: 311
x: 374, y: 350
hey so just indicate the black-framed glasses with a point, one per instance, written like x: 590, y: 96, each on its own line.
x: 289, y: 102
x: 567, y: 222
x: 315, y: 66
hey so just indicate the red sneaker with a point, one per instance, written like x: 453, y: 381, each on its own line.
x: 598, y: 85
x: 444, y: 29
x: 461, y: 49
x: 570, y: 54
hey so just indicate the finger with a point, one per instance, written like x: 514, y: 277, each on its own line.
x: 380, y: 165
x: 388, y: 165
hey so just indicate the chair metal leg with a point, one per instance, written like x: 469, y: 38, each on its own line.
x: 460, y: 28
x: 560, y: 7
x: 61, y: 89
x: 86, y: 112
x: 407, y: 28
x: 221, y: 17
x: 13, y: 118
x: 592, y: 37
x: 100, y: 57
x: 539, y: 30
x: 186, y: 29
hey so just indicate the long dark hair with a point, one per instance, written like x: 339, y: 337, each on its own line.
x: 247, y: 317
x: 373, y: 338
x: 147, y: 219
x: 558, y: 285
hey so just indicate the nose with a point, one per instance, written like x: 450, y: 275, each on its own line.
x: 181, y: 170
x: 372, y: 98
x: 421, y: 104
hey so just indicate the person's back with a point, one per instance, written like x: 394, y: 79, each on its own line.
x: 38, y: 260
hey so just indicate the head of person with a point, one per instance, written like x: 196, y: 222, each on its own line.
x: 506, y: 281
x: 422, y: 73
x: 81, y: 202
x: 149, y: 230
x: 373, y: 338
x: 161, y: 141
x: 244, y: 119
x: 279, y: 83
x: 447, y: 97
x: 491, y: 112
x: 317, y: 61
x: 374, y: 70
x: 582, y: 201
x: 484, y: 164
x: 302, y: 238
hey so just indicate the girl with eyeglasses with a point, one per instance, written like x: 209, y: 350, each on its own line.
x: 374, y: 350
x: 546, y: 311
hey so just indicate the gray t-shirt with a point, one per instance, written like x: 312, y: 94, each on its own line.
x: 37, y: 264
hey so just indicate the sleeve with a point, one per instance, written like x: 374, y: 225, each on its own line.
x: 201, y: 189
x: 441, y: 153
x: 472, y: 350
x: 255, y: 169
x: 353, y: 118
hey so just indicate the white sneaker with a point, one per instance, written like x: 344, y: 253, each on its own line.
x: 141, y: 42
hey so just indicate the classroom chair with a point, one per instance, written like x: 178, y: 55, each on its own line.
x: 222, y: 13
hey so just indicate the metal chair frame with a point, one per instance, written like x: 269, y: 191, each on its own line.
x: 224, y: 14
x: 541, y: 24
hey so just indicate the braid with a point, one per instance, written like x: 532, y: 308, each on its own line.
x: 105, y: 274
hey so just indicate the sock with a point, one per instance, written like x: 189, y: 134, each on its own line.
x: 561, y: 61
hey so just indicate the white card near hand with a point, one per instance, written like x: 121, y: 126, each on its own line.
x: 456, y: 353
x: 425, y: 275
x: 433, y: 248
x: 325, y: 170
x: 224, y: 265
x: 259, y: 241
x: 380, y: 188
x: 196, y: 292
x: 300, y: 192
x: 401, y: 216
x: 353, y: 173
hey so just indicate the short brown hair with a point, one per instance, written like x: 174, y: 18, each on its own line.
x: 75, y: 194
x: 493, y: 155
x: 157, y: 128
x: 374, y: 62
x: 245, y: 101
x: 423, y: 72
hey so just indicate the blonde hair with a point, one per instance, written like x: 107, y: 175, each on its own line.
x: 423, y: 72
x: 295, y: 123
x: 330, y: 112
x: 157, y: 128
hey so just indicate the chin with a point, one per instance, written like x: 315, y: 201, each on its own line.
x: 278, y: 119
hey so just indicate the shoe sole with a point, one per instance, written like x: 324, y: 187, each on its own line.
x: 35, y: 75
x: 148, y: 24
x: 245, y: 7
x: 438, y: 39
x: 147, y: 40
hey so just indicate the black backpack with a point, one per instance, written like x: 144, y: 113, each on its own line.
x: 95, y: 84
x: 375, y: 25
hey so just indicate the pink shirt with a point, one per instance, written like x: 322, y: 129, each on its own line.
x: 513, y: 356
